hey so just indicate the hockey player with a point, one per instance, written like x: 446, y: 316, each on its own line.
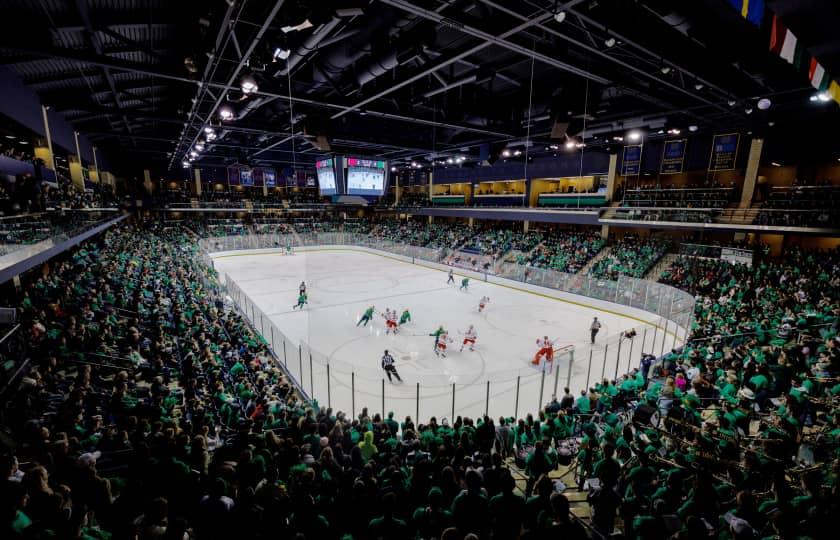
x: 301, y: 301
x: 469, y: 338
x: 483, y: 303
x: 405, y: 317
x: 390, y: 321
x: 302, y: 287
x: 388, y: 366
x: 465, y: 284
x: 367, y: 316
x: 440, y: 345
x: 436, y: 335
x: 546, y: 349
x: 451, y: 277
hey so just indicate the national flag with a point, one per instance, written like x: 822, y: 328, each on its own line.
x: 752, y: 10
x: 784, y: 43
x: 819, y: 78
x: 834, y: 91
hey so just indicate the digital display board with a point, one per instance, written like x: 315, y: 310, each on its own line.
x: 325, y: 171
x: 366, y: 176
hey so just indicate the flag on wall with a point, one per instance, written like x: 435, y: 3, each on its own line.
x: 784, y: 43
x: 752, y: 10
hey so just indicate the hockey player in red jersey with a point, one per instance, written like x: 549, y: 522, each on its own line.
x: 469, y: 338
x: 546, y: 349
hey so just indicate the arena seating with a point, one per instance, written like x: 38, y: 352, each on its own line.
x: 152, y: 410
x: 631, y: 256
x: 565, y: 251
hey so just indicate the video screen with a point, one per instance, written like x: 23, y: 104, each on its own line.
x: 365, y: 176
x: 325, y: 170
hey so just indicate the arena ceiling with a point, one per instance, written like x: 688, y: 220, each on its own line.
x: 410, y: 79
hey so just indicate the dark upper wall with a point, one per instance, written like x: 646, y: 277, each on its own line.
x: 23, y: 105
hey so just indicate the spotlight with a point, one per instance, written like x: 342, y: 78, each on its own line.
x: 518, y: 153
x: 660, y: 132
x: 280, y: 54
x: 211, y: 136
x: 692, y: 128
x: 393, y: 169
x: 634, y: 135
x: 698, y: 87
x: 814, y: 97
x: 618, y: 138
x: 775, y: 164
x: 732, y: 102
x: 460, y: 159
x: 248, y: 85
x: 570, y: 144
x: 771, y: 124
x: 185, y: 164
x: 673, y: 131
x: 665, y: 70
x: 225, y: 113
x: 824, y: 97
x: 764, y: 104
x: 553, y: 147
x: 449, y: 161
x: 609, y: 42
x: 560, y: 16
x: 505, y: 153
x: 199, y: 147
x: 208, y: 130
x: 748, y: 110
x: 193, y: 154
x: 580, y: 145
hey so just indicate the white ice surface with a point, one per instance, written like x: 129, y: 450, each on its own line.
x: 342, y: 283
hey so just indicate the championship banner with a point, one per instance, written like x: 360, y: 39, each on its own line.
x: 673, y: 157
x: 233, y: 176
x: 631, y: 162
x: 724, y: 152
x: 246, y: 177
x: 258, y: 174
x: 269, y: 177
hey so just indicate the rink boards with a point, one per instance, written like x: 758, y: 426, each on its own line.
x: 343, y: 280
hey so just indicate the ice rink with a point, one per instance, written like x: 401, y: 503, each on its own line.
x: 342, y: 283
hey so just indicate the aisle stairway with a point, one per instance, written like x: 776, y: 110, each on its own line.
x: 656, y: 270
x: 605, y: 251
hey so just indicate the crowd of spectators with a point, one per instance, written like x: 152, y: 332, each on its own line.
x: 564, y: 251
x: 150, y: 410
x: 630, y: 256
x: 801, y: 206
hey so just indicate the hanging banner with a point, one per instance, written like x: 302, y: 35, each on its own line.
x: 233, y: 176
x: 631, y: 162
x: 673, y: 157
x: 259, y: 176
x: 246, y: 177
x: 724, y: 152
x: 269, y: 177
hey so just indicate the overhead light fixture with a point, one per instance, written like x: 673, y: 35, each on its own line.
x: 248, y: 85
x: 660, y: 132
x: 506, y: 153
x: 618, y: 138
x: 393, y: 169
x: 10, y: 136
x: 302, y: 26
x: 824, y: 97
x: 674, y: 131
x: 665, y: 70
x: 748, y: 110
x: 460, y: 159
x: 553, y: 147
x: 775, y: 164
x: 692, y: 128
x: 208, y: 130
x: 449, y: 161
x: 280, y: 54
x: 634, y: 135
x: 22, y: 142
x: 518, y: 153
x: 225, y: 113
x: 580, y: 145
x: 193, y: 154
x: 771, y: 124
x: 732, y: 102
x: 199, y: 147
x: 698, y: 86
x: 185, y: 164
x: 609, y: 42
x: 560, y: 16
x: 764, y: 104
x: 570, y: 144
x: 211, y: 136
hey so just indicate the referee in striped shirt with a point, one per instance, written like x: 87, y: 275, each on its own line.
x: 388, y: 366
